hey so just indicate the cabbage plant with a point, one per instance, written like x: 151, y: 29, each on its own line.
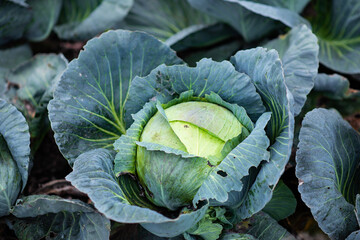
x: 155, y: 142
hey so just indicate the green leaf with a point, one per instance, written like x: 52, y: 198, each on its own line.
x: 354, y: 236
x: 39, y: 216
x: 10, y: 179
x: 45, y: 13
x: 286, y: 16
x: 9, y: 59
x: 13, y: 21
x: 217, y: 53
x: 333, y: 86
x: 225, y: 177
x: 206, y: 229
x: 357, y: 208
x: 298, y: 51
x: 327, y: 162
x: 30, y: 87
x: 250, y: 25
x: 89, y: 103
x: 94, y: 174
x: 265, y: 70
x: 176, y: 22
x: 208, y: 76
x: 263, y: 227
x: 338, y: 31
x: 20, y: 2
x: 200, y: 36
x: 82, y: 20
x: 15, y: 132
x: 282, y: 203
x: 237, y: 236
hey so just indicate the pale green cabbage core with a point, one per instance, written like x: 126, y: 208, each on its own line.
x: 199, y: 128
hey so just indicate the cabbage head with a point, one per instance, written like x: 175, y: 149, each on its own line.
x: 156, y: 142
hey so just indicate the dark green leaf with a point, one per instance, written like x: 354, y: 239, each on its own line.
x: 45, y: 13
x: 40, y: 216
x: 82, y: 20
x: 263, y: 227
x: 282, y: 203
x: 250, y: 25
x: 13, y: 21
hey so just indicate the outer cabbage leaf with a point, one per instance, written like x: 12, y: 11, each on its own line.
x: 334, y: 86
x: 336, y: 26
x: 10, y: 179
x: 225, y: 178
x: 15, y: 131
x: 298, y: 52
x: 10, y: 58
x: 354, y: 236
x: 265, y: 70
x: 89, y: 103
x: 164, y: 83
x: 176, y: 22
x: 327, y: 160
x: 93, y: 173
x: 282, y: 204
x: 82, y: 20
x: 13, y: 21
x: 250, y: 25
x: 39, y: 216
x: 30, y: 87
x: 45, y: 13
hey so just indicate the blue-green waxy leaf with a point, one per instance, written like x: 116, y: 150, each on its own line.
x: 88, y: 107
x: 282, y: 203
x: 265, y: 70
x: 10, y: 179
x: 354, y: 236
x: 225, y: 177
x: 250, y: 25
x: 263, y: 227
x: 15, y: 132
x: 82, y: 20
x: 333, y: 86
x: 327, y: 166
x: 357, y: 208
x: 94, y: 174
x: 208, y: 76
x: 13, y: 21
x: 45, y: 13
x: 39, y: 216
x: 298, y: 52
